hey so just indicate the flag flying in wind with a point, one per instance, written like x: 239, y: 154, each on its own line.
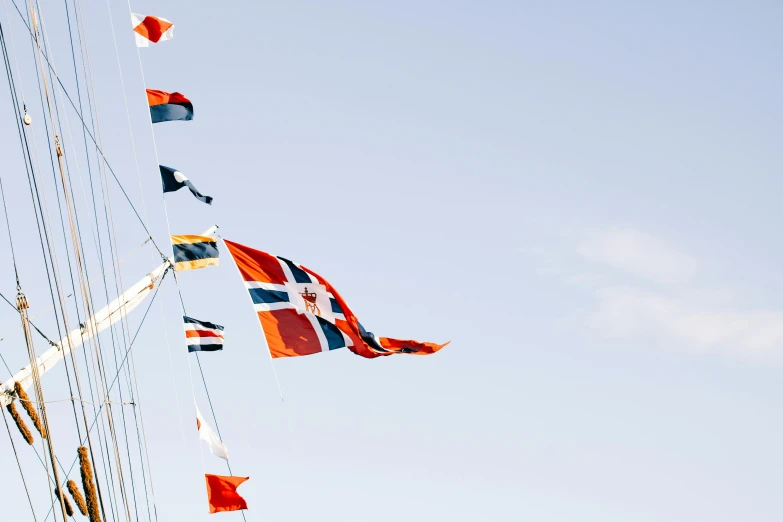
x: 222, y: 493
x: 151, y: 29
x: 206, y: 434
x: 173, y: 180
x: 302, y: 314
x: 165, y: 106
x: 193, y: 252
x: 203, y: 336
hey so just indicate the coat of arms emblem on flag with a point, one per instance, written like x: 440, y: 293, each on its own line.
x: 302, y: 314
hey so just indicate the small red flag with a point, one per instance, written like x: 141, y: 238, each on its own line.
x: 222, y: 493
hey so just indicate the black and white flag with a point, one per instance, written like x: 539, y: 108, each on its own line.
x: 174, y: 180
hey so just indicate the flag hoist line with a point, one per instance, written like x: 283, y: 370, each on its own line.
x: 176, y: 280
x: 144, y: 207
x: 162, y: 309
x: 266, y: 343
x: 271, y: 360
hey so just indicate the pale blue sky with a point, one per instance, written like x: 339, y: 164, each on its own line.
x: 582, y: 197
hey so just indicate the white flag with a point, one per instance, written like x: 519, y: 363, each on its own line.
x: 206, y: 434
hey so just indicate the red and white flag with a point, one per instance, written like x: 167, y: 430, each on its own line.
x: 206, y: 434
x: 151, y: 29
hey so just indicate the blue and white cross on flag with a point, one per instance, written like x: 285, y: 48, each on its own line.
x: 174, y: 180
x: 302, y: 314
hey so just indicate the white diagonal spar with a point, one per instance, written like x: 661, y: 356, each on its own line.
x: 102, y: 319
x: 129, y: 300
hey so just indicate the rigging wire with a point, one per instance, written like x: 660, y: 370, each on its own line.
x: 36, y: 44
x: 23, y: 313
x: 46, y: 430
x: 88, y: 298
x: 98, y: 241
x: 46, y: 309
x: 176, y: 279
x: 206, y: 388
x: 126, y: 328
x: 86, y: 402
x: 34, y: 183
x: 102, y: 167
x: 271, y: 361
x: 10, y: 241
x: 35, y: 450
x: 13, y: 47
x: 143, y: 223
x: 116, y: 376
x: 44, y: 225
x: 19, y: 465
x: 22, y: 308
x: 90, y: 134
x: 99, y: 364
x: 59, y: 206
x: 104, y: 192
x: 168, y: 228
x: 12, y: 305
x: 35, y: 148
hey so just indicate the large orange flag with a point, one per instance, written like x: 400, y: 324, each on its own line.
x: 302, y: 314
x: 222, y: 493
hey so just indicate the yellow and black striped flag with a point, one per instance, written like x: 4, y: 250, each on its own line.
x: 193, y: 252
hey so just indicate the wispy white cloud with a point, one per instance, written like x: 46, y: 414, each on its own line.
x: 627, y: 312
x: 663, y: 300
x: 638, y: 254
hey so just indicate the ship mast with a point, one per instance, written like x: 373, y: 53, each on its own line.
x: 104, y: 467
